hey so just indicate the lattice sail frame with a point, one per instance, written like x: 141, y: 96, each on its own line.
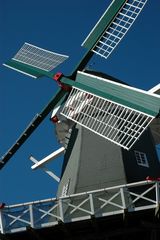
x: 118, y: 28
x: 114, y: 122
x: 39, y: 57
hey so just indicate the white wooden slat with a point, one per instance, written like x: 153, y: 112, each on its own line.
x: 117, y: 123
x: 118, y: 28
x: 38, y: 57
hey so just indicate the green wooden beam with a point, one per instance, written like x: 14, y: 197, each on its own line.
x: 31, y: 127
x: 27, y: 69
x: 97, y: 32
x: 130, y: 97
x: 103, y: 23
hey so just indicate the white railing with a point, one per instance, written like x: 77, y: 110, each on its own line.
x: 99, y: 203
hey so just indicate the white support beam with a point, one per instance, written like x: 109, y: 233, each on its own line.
x: 50, y: 173
x: 155, y: 89
x: 49, y: 158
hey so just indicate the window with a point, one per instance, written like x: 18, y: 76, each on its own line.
x: 141, y: 159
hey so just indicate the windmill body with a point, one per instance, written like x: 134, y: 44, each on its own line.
x: 92, y: 162
x: 103, y: 124
x: 96, y: 163
x: 108, y: 132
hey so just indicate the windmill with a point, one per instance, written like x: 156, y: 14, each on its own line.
x: 93, y: 109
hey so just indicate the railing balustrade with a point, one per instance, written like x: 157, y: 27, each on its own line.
x: 81, y: 206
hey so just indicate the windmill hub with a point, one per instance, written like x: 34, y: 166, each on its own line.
x: 57, y: 77
x: 54, y: 119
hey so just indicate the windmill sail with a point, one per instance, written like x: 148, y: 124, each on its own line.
x: 105, y: 36
x: 34, y: 61
x: 112, y: 110
x: 31, y: 127
x: 113, y: 26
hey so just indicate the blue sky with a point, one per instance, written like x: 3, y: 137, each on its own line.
x: 59, y: 26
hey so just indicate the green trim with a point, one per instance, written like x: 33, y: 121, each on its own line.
x: 103, y: 24
x: 120, y: 96
x: 27, y: 69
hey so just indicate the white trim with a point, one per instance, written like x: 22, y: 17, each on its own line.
x: 155, y: 89
x: 19, y: 71
x: 133, y: 184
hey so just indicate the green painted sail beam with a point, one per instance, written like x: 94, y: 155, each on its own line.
x: 74, y: 79
x: 130, y: 97
x: 97, y: 32
x: 27, y: 69
x: 31, y: 127
x: 100, y: 27
x: 103, y: 23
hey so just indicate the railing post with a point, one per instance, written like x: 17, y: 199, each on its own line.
x: 1, y: 222
x: 91, y: 203
x: 157, y: 188
x: 61, y: 210
x: 123, y: 198
x: 31, y: 215
x: 157, y: 192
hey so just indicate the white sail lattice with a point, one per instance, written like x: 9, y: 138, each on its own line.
x: 117, y: 123
x: 38, y: 57
x: 119, y: 27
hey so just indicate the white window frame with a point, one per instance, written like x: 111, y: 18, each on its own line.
x: 141, y: 158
